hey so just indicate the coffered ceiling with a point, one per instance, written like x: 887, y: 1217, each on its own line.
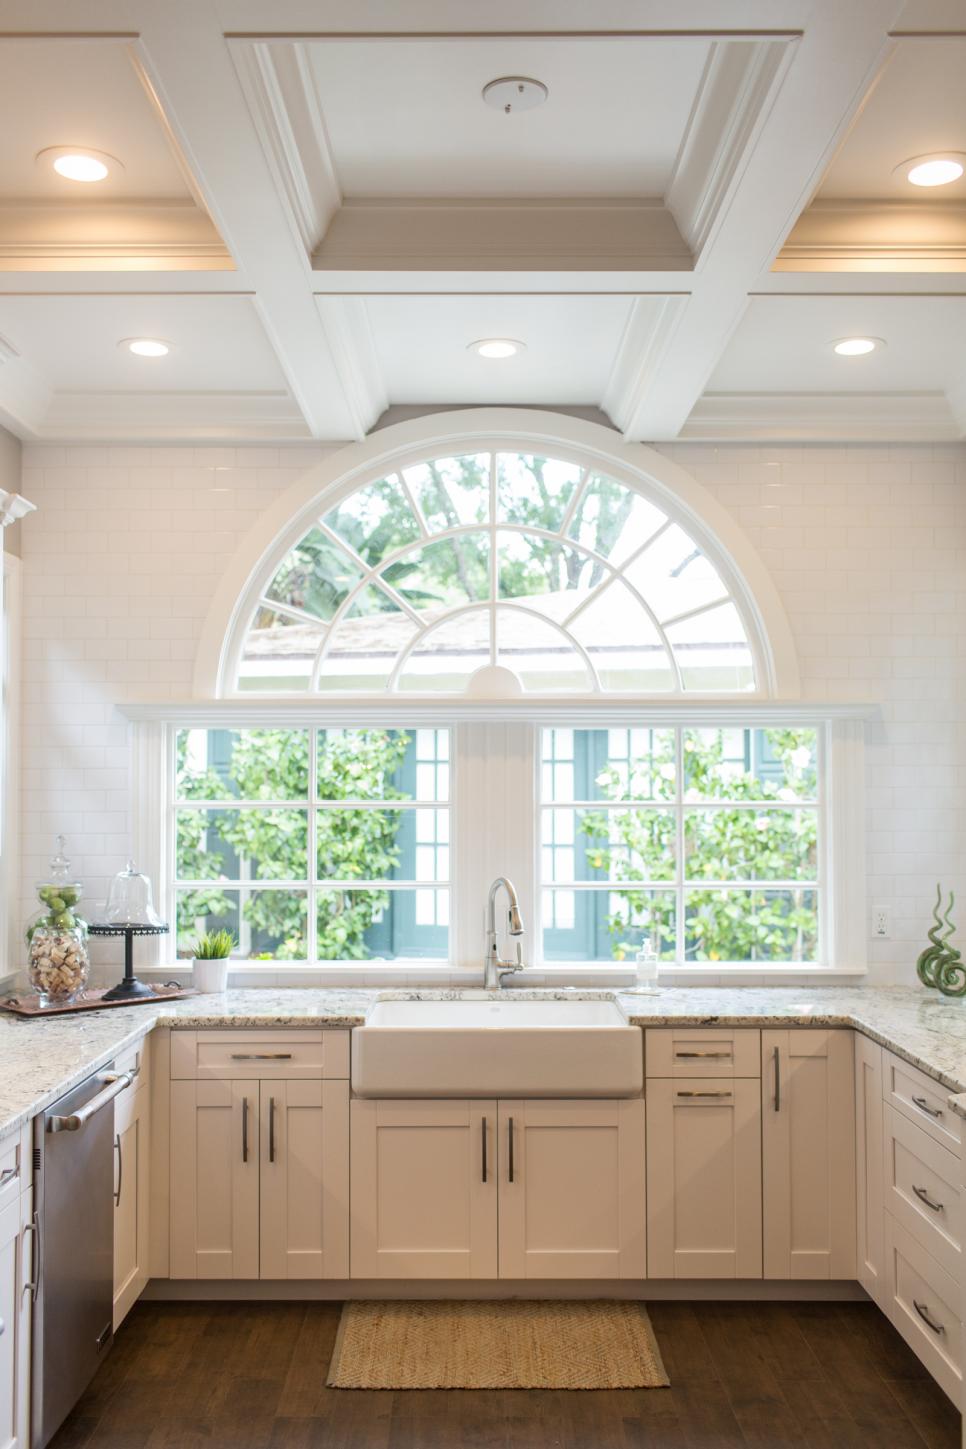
x: 311, y: 204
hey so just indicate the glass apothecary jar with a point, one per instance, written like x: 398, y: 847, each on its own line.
x: 58, y: 962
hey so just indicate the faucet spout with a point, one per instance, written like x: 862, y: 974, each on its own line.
x: 494, y: 968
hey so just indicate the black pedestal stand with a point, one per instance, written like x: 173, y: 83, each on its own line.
x: 129, y: 988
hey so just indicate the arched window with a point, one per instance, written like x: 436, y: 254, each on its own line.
x: 433, y: 574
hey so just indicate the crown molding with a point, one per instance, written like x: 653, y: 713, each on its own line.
x: 167, y: 235
x: 649, y: 327
x: 823, y: 417
x: 487, y: 235
x: 281, y: 94
x: 349, y: 334
x: 159, y: 417
x: 734, y: 98
x: 881, y: 236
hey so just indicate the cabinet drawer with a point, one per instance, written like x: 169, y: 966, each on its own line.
x: 250, y: 1055
x: 702, y: 1052
x: 923, y: 1304
x: 922, y: 1100
x: 922, y: 1188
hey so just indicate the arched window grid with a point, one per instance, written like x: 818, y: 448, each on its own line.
x: 372, y: 576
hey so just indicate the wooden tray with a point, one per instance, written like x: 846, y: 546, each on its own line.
x: 91, y: 1001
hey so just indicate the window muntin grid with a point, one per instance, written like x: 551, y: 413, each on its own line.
x: 264, y: 841
x: 566, y: 576
x: 656, y: 863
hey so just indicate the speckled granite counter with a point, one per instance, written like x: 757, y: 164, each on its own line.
x: 41, y: 1059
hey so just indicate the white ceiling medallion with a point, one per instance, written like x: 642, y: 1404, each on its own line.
x: 856, y: 346
x: 511, y: 93
x: 497, y: 347
x: 940, y: 168
x: 79, y: 163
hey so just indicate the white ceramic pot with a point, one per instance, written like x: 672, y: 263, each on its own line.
x: 209, y: 975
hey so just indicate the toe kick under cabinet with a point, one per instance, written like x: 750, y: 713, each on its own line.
x: 259, y: 1155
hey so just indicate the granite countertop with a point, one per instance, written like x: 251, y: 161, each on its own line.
x: 39, y: 1060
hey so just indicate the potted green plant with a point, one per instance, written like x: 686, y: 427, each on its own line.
x: 209, y: 962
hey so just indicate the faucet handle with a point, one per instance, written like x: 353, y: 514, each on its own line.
x: 519, y: 945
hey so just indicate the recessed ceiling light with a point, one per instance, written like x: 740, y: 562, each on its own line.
x: 937, y: 170
x: 511, y: 93
x: 856, y: 346
x: 497, y: 347
x: 146, y: 346
x: 79, y: 163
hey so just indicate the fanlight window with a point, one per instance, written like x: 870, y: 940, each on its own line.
x: 570, y: 579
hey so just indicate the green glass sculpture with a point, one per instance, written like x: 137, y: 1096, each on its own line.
x: 941, y: 965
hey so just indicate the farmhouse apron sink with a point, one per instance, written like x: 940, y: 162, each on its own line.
x: 497, y: 1047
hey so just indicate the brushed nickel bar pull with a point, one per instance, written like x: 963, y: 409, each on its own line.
x: 271, y: 1129
x: 778, y: 1080
x: 923, y: 1310
x: 923, y: 1196
x: 261, y: 1056
x: 120, y: 1168
x: 716, y: 1056
x: 36, y: 1259
x: 484, y: 1149
x: 510, y: 1125
x: 244, y: 1129
x: 703, y: 1094
x: 8, y: 1174
x: 924, y: 1106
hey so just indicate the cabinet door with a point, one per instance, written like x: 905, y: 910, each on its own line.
x: 214, y: 1179
x: 304, y: 1182
x: 424, y: 1189
x: 808, y: 1147
x: 571, y: 1177
x: 131, y: 1195
x: 15, y: 1245
x: 704, y: 1178
x: 869, y: 1166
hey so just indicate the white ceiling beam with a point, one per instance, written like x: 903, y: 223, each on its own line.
x: 25, y: 397
x: 183, y: 53
x: 877, y: 236
x: 201, y: 417
x: 834, y: 64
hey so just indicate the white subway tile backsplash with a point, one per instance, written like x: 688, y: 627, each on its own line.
x: 863, y: 544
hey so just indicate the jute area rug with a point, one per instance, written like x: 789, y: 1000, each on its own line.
x: 496, y: 1345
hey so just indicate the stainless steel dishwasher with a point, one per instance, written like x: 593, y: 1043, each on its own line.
x: 72, y: 1270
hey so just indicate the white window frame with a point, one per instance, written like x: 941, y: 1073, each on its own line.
x: 495, y: 824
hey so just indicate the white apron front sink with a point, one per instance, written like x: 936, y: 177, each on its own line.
x: 497, y: 1047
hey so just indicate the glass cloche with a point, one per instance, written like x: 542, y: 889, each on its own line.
x: 58, y: 964
x: 130, y: 900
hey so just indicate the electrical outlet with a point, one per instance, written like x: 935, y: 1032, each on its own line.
x: 880, y: 923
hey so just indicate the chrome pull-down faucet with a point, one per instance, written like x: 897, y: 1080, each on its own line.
x: 494, y: 969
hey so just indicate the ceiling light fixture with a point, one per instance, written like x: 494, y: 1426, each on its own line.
x: 79, y: 163
x: 511, y: 93
x: 856, y: 346
x: 939, y: 169
x: 497, y: 347
x: 146, y: 346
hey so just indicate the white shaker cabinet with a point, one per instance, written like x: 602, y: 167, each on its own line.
x: 424, y: 1188
x: 808, y: 1153
x: 303, y: 1179
x: 704, y: 1177
x: 132, y: 1158
x: 571, y: 1194
x: 214, y: 1179
x: 870, y: 1250
x: 17, y: 1246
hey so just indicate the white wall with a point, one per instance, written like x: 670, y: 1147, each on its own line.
x: 866, y: 547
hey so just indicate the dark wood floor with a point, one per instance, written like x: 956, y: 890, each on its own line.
x: 251, y: 1376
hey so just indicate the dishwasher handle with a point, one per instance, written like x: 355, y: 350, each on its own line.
x: 114, y: 1084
